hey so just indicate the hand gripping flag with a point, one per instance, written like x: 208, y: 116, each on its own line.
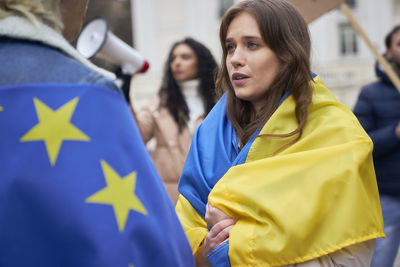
x: 77, y: 186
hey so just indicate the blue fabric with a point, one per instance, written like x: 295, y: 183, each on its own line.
x: 25, y: 61
x: 213, y: 151
x: 219, y: 255
x: 45, y: 216
x: 378, y: 110
x: 386, y: 248
x: 218, y: 153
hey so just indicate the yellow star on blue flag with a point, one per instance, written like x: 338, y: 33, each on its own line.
x: 54, y: 127
x: 81, y: 204
x: 120, y: 193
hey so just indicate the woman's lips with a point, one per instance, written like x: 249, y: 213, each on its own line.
x: 240, y: 82
x: 239, y: 78
x: 177, y: 73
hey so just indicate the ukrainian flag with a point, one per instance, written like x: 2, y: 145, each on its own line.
x: 315, y: 197
x: 77, y: 186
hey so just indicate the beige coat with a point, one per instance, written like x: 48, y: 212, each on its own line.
x: 171, y: 147
x: 358, y: 255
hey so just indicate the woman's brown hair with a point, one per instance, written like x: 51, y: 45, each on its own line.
x: 284, y: 31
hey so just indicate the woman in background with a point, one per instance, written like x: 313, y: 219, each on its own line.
x: 279, y: 173
x: 186, y: 96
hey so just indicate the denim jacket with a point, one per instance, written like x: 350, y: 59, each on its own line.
x: 38, y: 54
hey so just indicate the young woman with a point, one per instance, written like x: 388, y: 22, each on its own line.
x: 279, y: 172
x: 186, y: 95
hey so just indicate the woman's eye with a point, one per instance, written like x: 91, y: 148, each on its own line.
x: 186, y: 56
x: 230, y: 48
x: 252, y: 45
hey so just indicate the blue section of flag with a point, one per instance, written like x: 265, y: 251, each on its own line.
x: 219, y: 255
x: 45, y: 219
x: 219, y: 151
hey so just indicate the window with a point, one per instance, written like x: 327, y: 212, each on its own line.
x: 224, y: 5
x: 348, y: 40
x: 351, y: 3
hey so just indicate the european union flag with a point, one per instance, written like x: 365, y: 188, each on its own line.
x: 77, y: 186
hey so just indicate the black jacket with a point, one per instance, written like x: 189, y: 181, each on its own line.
x: 378, y: 110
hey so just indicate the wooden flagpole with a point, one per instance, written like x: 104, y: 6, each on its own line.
x: 382, y: 61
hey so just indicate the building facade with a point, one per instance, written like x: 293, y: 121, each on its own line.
x: 339, y: 55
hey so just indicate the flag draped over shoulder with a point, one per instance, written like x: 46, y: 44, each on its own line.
x: 77, y: 186
x: 313, y: 198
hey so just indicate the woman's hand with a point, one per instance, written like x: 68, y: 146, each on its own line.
x: 214, y: 215
x: 218, y: 234
x: 220, y: 224
x: 398, y: 131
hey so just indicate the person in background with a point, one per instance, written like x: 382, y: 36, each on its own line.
x: 186, y: 96
x: 378, y: 110
x: 77, y: 186
x: 279, y: 172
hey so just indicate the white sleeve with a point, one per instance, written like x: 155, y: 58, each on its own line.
x: 358, y: 255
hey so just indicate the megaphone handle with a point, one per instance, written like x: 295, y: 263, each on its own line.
x: 126, y: 82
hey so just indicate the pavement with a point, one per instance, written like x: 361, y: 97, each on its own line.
x: 397, y: 261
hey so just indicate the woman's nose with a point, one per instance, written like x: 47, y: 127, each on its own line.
x: 237, y: 59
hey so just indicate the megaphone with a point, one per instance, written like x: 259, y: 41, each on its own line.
x: 96, y: 39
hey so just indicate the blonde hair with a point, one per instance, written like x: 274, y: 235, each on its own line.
x: 44, y: 11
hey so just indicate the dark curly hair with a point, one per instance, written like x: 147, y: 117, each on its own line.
x: 171, y: 93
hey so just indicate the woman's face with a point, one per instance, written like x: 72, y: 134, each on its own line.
x: 252, y: 65
x: 184, y: 63
x: 73, y: 15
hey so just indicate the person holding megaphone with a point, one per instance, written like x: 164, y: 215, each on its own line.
x: 186, y: 96
x: 77, y: 186
x: 97, y: 40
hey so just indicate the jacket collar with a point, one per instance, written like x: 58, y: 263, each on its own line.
x: 20, y: 28
x: 381, y: 74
